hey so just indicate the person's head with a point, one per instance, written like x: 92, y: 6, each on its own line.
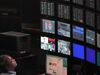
x: 7, y: 63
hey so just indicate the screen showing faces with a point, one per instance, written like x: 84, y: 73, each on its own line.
x: 64, y: 47
x: 64, y: 29
x: 48, y: 26
x: 98, y: 58
x: 90, y: 37
x: 78, y: 51
x: 90, y: 55
x: 56, y: 65
x: 47, y: 43
x: 78, y: 33
x: 98, y: 40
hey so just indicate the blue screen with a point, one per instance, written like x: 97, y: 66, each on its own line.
x: 90, y: 55
x: 78, y: 51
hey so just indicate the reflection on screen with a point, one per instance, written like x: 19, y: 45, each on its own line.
x: 90, y: 37
x: 64, y: 29
x: 48, y: 26
x: 56, y: 65
x: 78, y: 33
x: 64, y: 47
x: 47, y: 43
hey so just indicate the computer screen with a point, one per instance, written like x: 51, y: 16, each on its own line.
x: 63, y: 29
x: 90, y: 18
x: 64, y: 47
x: 47, y: 43
x: 98, y: 58
x: 78, y: 14
x: 98, y: 40
x: 78, y: 33
x: 90, y: 55
x: 56, y: 65
x: 78, y: 51
x: 48, y: 26
x: 47, y: 8
x: 90, y: 36
x: 63, y: 11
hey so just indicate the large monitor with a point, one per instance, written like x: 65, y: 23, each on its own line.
x: 98, y: 40
x: 56, y: 65
x: 64, y: 47
x: 48, y: 26
x: 90, y: 55
x: 63, y: 29
x: 47, y: 43
x: 90, y: 37
x: 78, y: 33
x: 78, y: 51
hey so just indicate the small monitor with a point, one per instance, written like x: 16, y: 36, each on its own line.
x: 90, y: 37
x: 48, y: 26
x: 63, y: 29
x: 47, y: 43
x: 56, y: 65
x: 90, y: 55
x: 98, y: 40
x: 64, y: 47
x: 98, y: 58
x: 78, y: 51
x: 78, y: 33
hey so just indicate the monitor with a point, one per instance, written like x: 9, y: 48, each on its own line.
x: 64, y: 47
x: 63, y: 29
x: 98, y: 40
x: 90, y: 55
x: 56, y: 65
x: 78, y: 51
x: 98, y: 58
x: 48, y: 26
x: 47, y: 43
x: 90, y: 36
x: 78, y: 33
x: 78, y: 15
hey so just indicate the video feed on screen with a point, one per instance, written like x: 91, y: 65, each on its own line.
x: 90, y: 37
x: 64, y: 29
x: 64, y: 47
x: 47, y: 43
x: 56, y: 65
x: 78, y: 33
x: 48, y: 26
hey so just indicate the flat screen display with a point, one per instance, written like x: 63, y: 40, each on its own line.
x: 78, y: 33
x: 98, y: 58
x: 90, y: 55
x: 47, y: 43
x: 98, y: 40
x: 48, y: 26
x: 56, y: 65
x: 64, y: 29
x: 90, y: 37
x: 64, y: 47
x: 78, y: 51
